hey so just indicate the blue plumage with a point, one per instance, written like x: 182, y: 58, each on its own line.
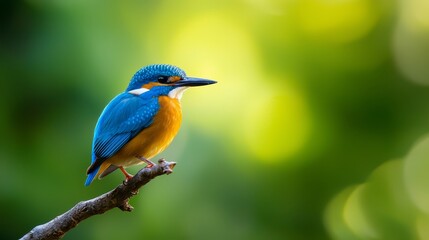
x: 119, y: 122
x: 122, y: 119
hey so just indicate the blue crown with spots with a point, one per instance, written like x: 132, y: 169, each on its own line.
x: 151, y: 73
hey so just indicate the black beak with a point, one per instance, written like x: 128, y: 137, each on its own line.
x: 192, y: 82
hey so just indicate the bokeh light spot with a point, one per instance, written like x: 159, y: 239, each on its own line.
x: 415, y: 14
x: 380, y: 208
x: 337, y: 21
x: 211, y: 46
x: 416, y: 174
x: 410, y: 41
x: 334, y: 217
x: 355, y: 217
x: 276, y: 123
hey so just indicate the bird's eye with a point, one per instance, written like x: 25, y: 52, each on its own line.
x: 163, y: 79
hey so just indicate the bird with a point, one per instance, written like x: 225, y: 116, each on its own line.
x: 140, y: 122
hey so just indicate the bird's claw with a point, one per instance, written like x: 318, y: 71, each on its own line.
x: 150, y: 165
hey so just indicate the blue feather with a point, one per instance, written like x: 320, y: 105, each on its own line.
x: 91, y: 176
x: 123, y: 118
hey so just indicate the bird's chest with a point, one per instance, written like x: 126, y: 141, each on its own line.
x: 155, y: 138
x: 166, y: 122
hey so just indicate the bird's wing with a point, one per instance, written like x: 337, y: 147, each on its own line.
x: 122, y: 119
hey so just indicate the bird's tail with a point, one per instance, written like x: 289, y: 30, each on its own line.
x: 91, y: 176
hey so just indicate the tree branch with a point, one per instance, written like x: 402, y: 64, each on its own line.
x: 118, y: 197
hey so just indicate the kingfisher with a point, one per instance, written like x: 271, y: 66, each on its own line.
x: 140, y: 122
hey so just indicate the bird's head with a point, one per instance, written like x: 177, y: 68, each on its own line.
x: 164, y: 78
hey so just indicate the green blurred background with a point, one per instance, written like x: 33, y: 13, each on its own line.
x: 315, y: 130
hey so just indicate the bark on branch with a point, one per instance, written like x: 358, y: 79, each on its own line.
x: 118, y: 197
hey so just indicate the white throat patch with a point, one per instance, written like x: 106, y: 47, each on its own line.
x: 138, y: 91
x: 177, y: 92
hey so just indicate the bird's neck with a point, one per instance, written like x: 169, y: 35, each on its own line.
x: 170, y: 111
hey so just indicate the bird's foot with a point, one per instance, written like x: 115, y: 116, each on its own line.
x: 126, y: 174
x: 147, y: 161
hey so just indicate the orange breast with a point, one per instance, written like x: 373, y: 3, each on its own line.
x: 153, y: 139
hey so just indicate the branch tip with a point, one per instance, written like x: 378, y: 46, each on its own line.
x: 167, y: 167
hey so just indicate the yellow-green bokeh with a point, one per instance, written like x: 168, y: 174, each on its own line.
x: 275, y: 123
x: 336, y: 21
x: 416, y: 177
